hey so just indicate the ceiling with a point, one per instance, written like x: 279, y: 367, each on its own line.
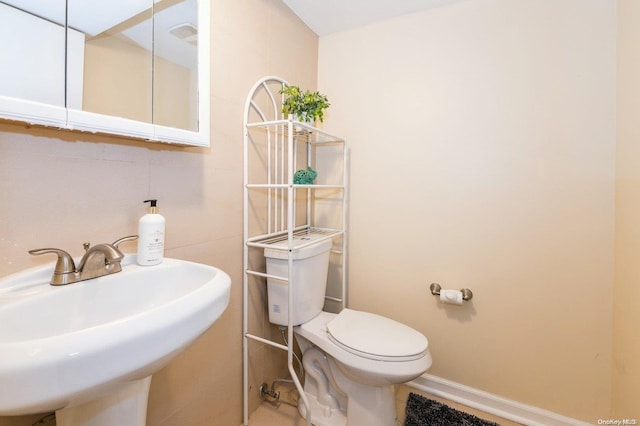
x: 330, y: 16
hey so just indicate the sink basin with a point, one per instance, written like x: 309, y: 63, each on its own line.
x: 96, y: 343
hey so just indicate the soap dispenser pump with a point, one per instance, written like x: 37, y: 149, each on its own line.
x: 151, y: 236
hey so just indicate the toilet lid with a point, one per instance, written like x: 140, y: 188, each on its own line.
x: 376, y: 337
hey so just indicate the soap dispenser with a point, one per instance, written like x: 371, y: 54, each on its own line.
x: 151, y: 236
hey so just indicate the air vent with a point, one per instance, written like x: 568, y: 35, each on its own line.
x: 185, y: 32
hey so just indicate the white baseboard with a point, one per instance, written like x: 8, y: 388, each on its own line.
x: 489, y: 403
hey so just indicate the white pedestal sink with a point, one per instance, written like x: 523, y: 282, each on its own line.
x: 88, y: 350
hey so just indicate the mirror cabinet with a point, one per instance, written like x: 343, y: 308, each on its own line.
x: 137, y: 68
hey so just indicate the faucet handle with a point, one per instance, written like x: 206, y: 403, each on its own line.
x: 124, y: 240
x: 65, y: 263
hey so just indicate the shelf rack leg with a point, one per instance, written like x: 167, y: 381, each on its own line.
x: 290, y: 225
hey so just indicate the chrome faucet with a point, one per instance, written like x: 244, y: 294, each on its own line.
x: 99, y: 260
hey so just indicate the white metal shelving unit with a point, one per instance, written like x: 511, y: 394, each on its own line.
x: 277, y: 210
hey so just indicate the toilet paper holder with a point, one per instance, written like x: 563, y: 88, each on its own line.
x: 466, y: 293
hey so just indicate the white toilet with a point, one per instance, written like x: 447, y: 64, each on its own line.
x: 351, y: 359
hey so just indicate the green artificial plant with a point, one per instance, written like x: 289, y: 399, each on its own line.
x: 307, y: 106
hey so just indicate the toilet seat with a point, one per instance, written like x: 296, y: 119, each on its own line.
x: 376, y: 337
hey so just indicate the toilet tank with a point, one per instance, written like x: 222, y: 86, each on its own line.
x: 309, y: 279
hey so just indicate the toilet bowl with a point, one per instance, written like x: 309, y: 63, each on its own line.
x: 351, y: 359
x: 366, y: 354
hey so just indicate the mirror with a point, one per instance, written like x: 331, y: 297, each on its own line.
x: 175, y: 68
x: 132, y: 67
x: 38, y: 76
x: 34, y: 45
x: 110, y: 69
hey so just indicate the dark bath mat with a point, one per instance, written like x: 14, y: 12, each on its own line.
x: 422, y: 411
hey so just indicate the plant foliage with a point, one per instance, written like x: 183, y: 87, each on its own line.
x: 307, y: 105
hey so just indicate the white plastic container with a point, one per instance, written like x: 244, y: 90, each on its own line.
x: 151, y: 229
x: 309, y: 280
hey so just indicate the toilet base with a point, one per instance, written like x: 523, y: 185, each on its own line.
x: 321, y: 415
x: 373, y: 407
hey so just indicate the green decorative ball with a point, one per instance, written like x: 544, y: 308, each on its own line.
x: 305, y: 177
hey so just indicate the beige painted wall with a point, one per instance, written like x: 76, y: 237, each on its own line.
x: 483, y: 139
x: 61, y: 189
x: 626, y: 372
